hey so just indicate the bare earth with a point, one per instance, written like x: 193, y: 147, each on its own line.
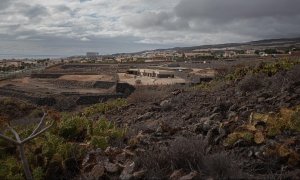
x: 86, y: 77
x: 35, y: 85
x: 131, y: 79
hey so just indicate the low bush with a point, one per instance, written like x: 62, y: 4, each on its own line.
x: 267, y: 68
x: 103, y: 108
x: 74, y: 127
x: 10, y: 168
x: 251, y: 83
x: 187, y: 154
x: 222, y: 166
x: 11, y: 108
x: 104, y: 132
x: 58, y: 151
x: 100, y: 141
x: 261, y: 126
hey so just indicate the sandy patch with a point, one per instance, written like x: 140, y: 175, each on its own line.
x: 86, y: 78
x: 131, y: 79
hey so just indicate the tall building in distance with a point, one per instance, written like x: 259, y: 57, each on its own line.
x: 92, y: 54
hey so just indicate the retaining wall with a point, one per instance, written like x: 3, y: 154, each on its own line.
x: 123, y: 90
x: 104, y: 84
x: 93, y: 99
x: 46, y: 75
x: 40, y: 101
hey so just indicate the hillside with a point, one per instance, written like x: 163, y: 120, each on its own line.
x: 242, y: 125
x: 285, y: 42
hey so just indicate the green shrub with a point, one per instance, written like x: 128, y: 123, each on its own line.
x: 70, y: 150
x: 102, y: 108
x: 72, y: 127
x: 104, y: 131
x: 10, y: 168
x: 52, y: 142
x: 251, y: 83
x: 38, y: 173
x: 102, y: 126
x: 268, y: 68
x: 100, y: 142
x: 61, y: 143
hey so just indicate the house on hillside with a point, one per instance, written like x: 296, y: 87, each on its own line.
x: 15, y: 63
x: 250, y: 51
x: 263, y: 54
x: 191, y: 55
x: 229, y: 54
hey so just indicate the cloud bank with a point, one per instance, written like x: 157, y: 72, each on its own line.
x: 107, y: 26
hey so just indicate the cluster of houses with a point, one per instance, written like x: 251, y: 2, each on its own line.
x: 183, y: 55
x: 174, y: 55
x: 13, y: 64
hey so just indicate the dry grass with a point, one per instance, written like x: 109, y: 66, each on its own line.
x: 187, y: 154
x: 251, y: 83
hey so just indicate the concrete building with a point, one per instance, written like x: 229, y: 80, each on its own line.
x: 250, y: 51
x: 263, y: 54
x: 197, y: 54
x: 152, y: 73
x: 229, y: 54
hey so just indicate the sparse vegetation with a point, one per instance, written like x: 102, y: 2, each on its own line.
x: 262, y: 126
x: 251, y: 83
x: 251, y: 78
x: 103, y: 108
x: 61, y: 144
x: 188, y: 154
x: 268, y: 68
x: 251, y: 112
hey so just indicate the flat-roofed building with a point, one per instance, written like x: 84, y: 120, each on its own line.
x: 152, y: 73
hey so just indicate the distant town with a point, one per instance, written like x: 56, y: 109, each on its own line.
x: 202, y: 54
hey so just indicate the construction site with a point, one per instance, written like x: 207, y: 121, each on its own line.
x: 67, y: 86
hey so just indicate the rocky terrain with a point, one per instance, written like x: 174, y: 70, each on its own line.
x: 242, y: 125
x: 247, y: 127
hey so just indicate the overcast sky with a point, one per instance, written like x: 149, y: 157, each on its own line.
x: 73, y: 27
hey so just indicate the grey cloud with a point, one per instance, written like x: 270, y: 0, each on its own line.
x: 256, y: 18
x: 4, y: 4
x: 228, y: 10
x: 36, y: 11
x: 147, y: 20
x: 62, y: 8
x: 49, y: 45
x: 119, y: 26
x: 160, y: 20
x: 82, y: 1
x: 248, y: 18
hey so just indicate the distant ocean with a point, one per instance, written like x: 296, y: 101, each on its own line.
x: 22, y: 56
